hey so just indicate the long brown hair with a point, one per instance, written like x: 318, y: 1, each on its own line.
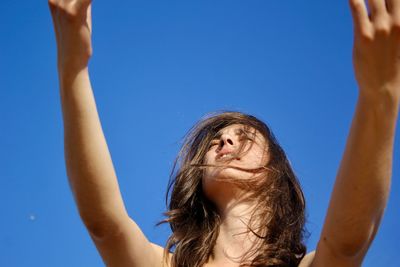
x: 194, y: 220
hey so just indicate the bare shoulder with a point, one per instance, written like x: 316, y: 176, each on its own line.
x: 307, y: 260
x: 160, y: 252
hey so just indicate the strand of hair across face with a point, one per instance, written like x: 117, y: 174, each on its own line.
x: 255, y: 170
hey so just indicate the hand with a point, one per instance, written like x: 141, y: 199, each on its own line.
x: 376, y: 51
x: 73, y: 26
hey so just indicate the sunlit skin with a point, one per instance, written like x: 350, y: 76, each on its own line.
x: 224, y: 153
x: 362, y: 183
x: 230, y: 200
x: 228, y: 142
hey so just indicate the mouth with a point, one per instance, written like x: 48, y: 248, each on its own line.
x: 229, y: 156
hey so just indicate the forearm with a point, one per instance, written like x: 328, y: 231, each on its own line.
x: 363, y: 181
x: 88, y: 161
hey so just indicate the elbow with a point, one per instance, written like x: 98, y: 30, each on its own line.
x: 350, y: 250
x: 101, y: 230
x: 102, y: 222
x: 353, y: 246
x: 101, y: 226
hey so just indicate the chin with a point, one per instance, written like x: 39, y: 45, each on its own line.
x: 215, y: 174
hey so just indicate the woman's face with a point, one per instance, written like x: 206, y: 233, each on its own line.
x: 223, y: 152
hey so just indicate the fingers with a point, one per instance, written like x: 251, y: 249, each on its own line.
x: 378, y: 9
x: 360, y: 16
x: 53, y: 11
x: 382, y: 16
x: 83, y: 4
x: 394, y: 7
x: 89, y: 18
x: 71, y: 7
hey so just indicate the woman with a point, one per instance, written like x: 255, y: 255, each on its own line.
x: 235, y: 200
x: 235, y: 186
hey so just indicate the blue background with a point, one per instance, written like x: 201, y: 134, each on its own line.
x: 158, y: 67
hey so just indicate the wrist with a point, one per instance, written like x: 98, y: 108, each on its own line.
x: 383, y: 103
x: 388, y: 94
x: 70, y: 64
x: 69, y: 76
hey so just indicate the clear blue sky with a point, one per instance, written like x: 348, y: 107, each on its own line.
x: 158, y: 67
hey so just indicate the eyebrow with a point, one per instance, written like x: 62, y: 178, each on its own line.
x: 217, y: 136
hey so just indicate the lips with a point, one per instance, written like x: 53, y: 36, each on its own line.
x: 226, y: 154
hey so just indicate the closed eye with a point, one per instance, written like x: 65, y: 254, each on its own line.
x: 245, y: 135
x: 213, y: 143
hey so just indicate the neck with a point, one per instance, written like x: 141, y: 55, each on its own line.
x: 234, y: 239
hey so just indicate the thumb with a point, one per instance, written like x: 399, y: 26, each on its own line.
x: 83, y: 4
x: 89, y: 17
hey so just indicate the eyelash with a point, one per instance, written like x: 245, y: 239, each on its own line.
x: 214, y: 144
x: 242, y: 136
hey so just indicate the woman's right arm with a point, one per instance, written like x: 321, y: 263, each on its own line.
x: 88, y: 162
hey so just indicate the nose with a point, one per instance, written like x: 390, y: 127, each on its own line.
x: 226, y: 141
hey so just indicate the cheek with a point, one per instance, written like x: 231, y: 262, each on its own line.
x: 208, y: 158
x: 256, y: 159
x: 260, y: 158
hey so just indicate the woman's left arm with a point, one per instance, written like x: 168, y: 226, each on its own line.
x: 363, y: 181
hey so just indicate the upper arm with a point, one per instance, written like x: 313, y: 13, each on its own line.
x: 128, y: 246
x: 324, y: 257
x: 327, y: 257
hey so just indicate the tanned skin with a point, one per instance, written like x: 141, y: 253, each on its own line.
x: 362, y: 184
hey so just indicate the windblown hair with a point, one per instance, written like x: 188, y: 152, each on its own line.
x: 194, y: 220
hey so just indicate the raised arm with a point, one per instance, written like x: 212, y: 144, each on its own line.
x: 363, y: 181
x: 89, y: 167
